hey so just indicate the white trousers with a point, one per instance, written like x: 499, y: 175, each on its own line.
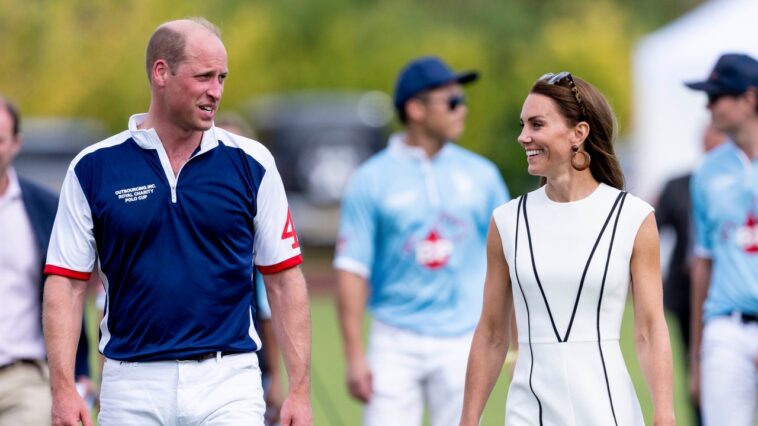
x: 729, y: 376
x: 411, y: 370
x: 218, y: 391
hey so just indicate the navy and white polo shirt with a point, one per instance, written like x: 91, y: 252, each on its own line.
x: 176, y: 254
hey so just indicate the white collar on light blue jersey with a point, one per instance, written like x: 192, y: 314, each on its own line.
x: 397, y: 146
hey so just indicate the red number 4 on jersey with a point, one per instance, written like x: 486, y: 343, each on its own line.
x: 289, y: 231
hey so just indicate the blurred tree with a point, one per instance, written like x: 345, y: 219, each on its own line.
x: 84, y: 58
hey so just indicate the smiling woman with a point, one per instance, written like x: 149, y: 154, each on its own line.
x: 574, y: 107
x: 568, y: 253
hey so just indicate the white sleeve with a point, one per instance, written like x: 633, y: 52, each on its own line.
x: 276, y: 245
x: 72, y: 251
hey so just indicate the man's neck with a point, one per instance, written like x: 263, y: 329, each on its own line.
x: 746, y: 138
x: 430, y: 144
x: 174, y: 140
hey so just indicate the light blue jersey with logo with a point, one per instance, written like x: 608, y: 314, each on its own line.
x: 725, y: 211
x: 416, y: 228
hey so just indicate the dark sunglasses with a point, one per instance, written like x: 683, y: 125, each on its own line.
x: 453, y: 102
x: 714, y: 97
x: 561, y: 77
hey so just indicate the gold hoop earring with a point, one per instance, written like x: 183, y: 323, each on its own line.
x: 586, y: 158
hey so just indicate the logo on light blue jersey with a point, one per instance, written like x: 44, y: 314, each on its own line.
x: 746, y: 236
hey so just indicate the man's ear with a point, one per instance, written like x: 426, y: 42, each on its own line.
x: 160, y: 72
x: 751, y: 95
x: 415, y: 109
x: 15, y: 145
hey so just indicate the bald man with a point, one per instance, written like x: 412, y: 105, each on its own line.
x: 175, y: 213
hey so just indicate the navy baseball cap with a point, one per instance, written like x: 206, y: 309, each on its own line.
x: 427, y: 73
x: 732, y: 74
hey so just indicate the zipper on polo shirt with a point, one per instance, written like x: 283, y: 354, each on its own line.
x: 153, y: 142
x: 173, y: 181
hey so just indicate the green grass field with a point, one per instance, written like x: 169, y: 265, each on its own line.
x: 332, y: 406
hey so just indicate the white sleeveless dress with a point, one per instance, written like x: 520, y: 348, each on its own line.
x: 569, y: 295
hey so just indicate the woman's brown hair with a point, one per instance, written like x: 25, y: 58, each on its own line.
x: 584, y: 102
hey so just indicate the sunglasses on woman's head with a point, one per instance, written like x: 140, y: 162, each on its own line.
x: 551, y: 78
x: 565, y: 76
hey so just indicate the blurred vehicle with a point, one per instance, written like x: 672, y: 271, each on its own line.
x: 49, y: 144
x: 318, y: 139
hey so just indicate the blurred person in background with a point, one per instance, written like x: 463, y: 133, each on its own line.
x: 673, y: 212
x: 177, y: 213
x: 724, y: 342
x: 27, y: 212
x: 565, y: 257
x: 268, y: 355
x: 411, y: 244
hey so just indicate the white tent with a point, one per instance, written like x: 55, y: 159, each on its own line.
x: 668, y: 117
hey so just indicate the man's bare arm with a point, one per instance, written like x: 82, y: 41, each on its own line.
x: 291, y: 320
x: 63, y: 307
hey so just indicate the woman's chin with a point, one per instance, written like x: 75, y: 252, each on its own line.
x: 534, y: 170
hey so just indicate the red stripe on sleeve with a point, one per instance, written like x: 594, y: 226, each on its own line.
x: 68, y: 273
x: 281, y: 266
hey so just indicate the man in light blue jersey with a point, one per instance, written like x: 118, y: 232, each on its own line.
x: 412, y: 244
x: 724, y: 361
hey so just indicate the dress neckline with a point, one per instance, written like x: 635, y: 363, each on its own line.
x: 601, y: 188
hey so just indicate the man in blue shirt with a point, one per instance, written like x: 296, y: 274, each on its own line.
x: 412, y: 243
x: 724, y: 359
x: 175, y: 213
